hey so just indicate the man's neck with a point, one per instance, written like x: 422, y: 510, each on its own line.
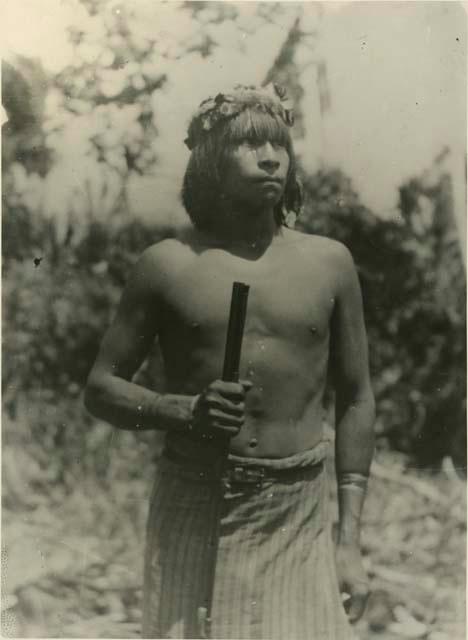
x: 246, y: 230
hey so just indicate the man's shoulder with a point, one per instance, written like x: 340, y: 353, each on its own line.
x: 170, y: 249
x: 333, y: 251
x: 157, y: 264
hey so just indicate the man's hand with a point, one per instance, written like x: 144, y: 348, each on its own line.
x: 352, y: 580
x: 220, y: 408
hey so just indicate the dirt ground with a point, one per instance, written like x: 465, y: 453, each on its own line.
x: 72, y: 560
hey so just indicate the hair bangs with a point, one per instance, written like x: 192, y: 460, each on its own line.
x: 256, y: 127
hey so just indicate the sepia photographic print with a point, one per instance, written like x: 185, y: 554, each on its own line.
x: 234, y: 320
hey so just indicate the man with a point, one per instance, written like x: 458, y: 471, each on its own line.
x: 262, y: 514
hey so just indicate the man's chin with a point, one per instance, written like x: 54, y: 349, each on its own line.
x: 258, y: 208
x: 257, y: 205
x: 269, y: 196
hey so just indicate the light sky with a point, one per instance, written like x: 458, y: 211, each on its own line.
x: 396, y: 72
x: 397, y: 75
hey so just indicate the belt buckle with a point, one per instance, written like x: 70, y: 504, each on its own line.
x: 248, y: 475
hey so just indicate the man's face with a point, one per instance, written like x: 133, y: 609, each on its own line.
x: 255, y: 174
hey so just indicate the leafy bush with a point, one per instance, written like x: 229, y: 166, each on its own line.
x: 414, y: 295
x: 55, y: 312
x: 54, y: 317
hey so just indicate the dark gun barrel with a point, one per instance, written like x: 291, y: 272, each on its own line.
x: 232, y: 355
x: 235, y: 332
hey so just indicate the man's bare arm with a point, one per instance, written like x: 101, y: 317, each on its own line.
x: 110, y: 393
x: 112, y: 396
x: 355, y: 415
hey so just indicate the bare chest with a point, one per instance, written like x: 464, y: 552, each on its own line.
x: 288, y: 298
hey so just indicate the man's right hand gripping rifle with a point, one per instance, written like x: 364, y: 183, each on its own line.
x: 219, y: 411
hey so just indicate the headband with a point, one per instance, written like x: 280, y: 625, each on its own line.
x: 271, y: 99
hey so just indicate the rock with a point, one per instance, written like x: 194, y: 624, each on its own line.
x: 35, y: 604
x: 406, y: 625
x: 8, y: 602
x: 438, y: 635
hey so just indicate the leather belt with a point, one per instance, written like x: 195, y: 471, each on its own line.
x: 233, y: 472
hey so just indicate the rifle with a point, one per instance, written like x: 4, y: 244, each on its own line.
x: 232, y: 354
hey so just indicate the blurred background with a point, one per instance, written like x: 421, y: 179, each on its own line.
x: 96, y: 98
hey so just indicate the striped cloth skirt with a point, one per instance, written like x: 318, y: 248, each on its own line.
x: 275, y: 575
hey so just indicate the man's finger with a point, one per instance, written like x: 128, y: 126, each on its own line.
x: 356, y: 604
x: 229, y: 431
x: 220, y: 418
x: 231, y: 391
x: 229, y: 388
x: 227, y: 406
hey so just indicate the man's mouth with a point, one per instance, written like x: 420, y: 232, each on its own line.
x: 270, y: 180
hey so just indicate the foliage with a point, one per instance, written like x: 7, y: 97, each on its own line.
x: 56, y: 310
x: 54, y: 315
x: 414, y: 294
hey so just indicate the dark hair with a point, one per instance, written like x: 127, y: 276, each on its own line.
x: 202, y: 193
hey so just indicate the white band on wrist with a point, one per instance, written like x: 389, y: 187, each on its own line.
x: 353, y: 481
x: 193, y: 404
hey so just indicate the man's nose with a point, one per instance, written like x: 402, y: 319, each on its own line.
x: 267, y: 157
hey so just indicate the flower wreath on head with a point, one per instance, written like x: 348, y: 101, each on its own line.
x: 271, y: 99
